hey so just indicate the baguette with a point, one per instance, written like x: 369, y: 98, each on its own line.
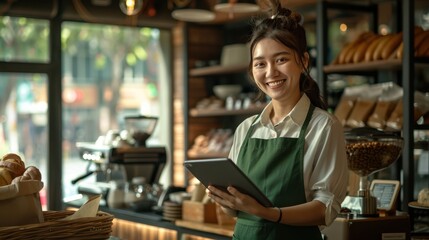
x: 360, y: 51
x: 378, y: 50
x: 371, y: 48
x: 391, y: 45
x: 350, y: 53
x: 419, y: 36
x: 423, y: 47
x: 348, y: 48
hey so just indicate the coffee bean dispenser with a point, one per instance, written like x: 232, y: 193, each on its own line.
x: 369, y: 151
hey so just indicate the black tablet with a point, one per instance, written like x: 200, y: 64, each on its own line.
x: 221, y: 173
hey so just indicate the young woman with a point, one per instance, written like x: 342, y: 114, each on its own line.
x: 294, y: 150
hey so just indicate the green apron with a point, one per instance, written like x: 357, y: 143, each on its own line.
x: 276, y: 167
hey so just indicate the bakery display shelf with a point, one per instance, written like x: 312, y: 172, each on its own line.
x: 225, y: 112
x: 196, y: 155
x: 217, y: 70
x: 421, y: 126
x: 388, y: 64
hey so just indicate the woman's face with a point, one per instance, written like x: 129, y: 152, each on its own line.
x: 276, y: 71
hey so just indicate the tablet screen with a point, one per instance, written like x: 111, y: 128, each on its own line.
x: 223, y: 172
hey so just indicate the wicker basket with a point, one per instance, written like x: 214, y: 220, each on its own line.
x: 99, y: 227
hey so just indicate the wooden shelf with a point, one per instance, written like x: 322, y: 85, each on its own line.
x: 193, y: 155
x: 389, y: 64
x: 225, y: 112
x: 217, y: 70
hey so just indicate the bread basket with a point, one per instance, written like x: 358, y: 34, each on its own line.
x: 98, y: 227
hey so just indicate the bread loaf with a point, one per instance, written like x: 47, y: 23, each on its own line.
x: 359, y: 54
x: 32, y: 173
x: 391, y: 45
x: 371, y: 48
x: 423, y: 197
x: 347, y: 52
x: 13, y: 163
x: 348, y: 58
x: 12, y: 170
x: 5, y: 177
x: 423, y: 47
x: 380, y: 46
x: 419, y: 37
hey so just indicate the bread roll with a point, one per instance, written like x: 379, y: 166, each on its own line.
x: 32, y: 173
x: 5, y: 177
x: 17, y: 179
x: 13, y: 163
x: 391, y: 45
x: 12, y: 157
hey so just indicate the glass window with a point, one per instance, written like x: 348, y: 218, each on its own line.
x: 110, y: 72
x: 24, y: 39
x: 23, y: 120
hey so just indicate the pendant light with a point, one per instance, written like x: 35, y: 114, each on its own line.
x: 199, y: 13
x: 234, y: 6
x: 131, y: 7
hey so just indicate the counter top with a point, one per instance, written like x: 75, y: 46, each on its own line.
x: 213, y: 231
x: 226, y: 230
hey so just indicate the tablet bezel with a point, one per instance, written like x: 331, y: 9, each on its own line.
x: 223, y: 172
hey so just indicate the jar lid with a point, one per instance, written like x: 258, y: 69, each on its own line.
x: 371, y: 133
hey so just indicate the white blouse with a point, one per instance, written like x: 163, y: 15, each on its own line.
x: 325, y: 162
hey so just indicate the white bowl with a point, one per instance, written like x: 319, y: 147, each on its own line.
x: 224, y: 91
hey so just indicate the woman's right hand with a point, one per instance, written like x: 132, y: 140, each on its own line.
x: 234, y: 200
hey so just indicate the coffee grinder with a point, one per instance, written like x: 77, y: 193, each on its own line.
x: 369, y: 151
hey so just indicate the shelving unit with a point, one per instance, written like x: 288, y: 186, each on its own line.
x: 405, y: 76
x: 200, y: 80
x: 217, y: 70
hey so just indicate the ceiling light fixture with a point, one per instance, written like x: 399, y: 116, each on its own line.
x: 131, y: 7
x: 193, y: 15
x: 233, y: 6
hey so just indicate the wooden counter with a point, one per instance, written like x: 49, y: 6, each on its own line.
x: 151, y: 226
x: 226, y: 230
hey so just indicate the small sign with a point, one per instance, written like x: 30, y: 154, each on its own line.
x: 386, y: 192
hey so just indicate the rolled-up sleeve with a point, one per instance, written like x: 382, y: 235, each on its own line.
x: 328, y: 179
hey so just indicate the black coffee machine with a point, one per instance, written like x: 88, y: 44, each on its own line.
x: 110, y: 162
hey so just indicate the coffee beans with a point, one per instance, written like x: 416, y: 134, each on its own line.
x: 365, y: 158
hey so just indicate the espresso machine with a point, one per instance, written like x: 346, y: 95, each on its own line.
x: 121, y: 158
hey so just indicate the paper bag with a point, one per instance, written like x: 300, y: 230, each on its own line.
x: 20, y: 203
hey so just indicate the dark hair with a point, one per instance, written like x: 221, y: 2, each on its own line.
x: 283, y: 25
